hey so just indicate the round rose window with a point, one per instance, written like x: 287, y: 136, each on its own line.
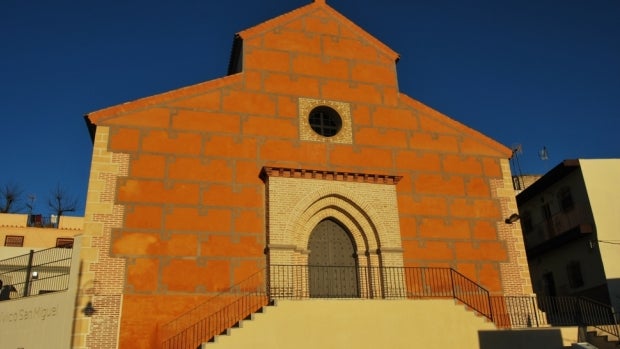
x: 325, y: 121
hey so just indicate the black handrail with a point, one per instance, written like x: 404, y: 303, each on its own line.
x: 213, y: 317
x: 538, y: 311
x: 471, y: 294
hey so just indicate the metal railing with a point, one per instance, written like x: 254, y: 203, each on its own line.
x: 302, y: 281
x: 223, y: 311
x: 557, y: 224
x: 37, y: 272
x: 41, y: 221
x: 543, y: 311
x: 217, y: 314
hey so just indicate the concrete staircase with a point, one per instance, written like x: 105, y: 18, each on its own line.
x: 602, y: 340
x: 360, y: 324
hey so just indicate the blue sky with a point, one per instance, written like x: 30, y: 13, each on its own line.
x: 540, y: 73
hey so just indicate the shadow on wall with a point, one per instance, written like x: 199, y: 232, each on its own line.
x: 613, y: 285
x: 539, y: 338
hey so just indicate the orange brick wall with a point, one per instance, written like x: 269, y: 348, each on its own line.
x: 194, y: 206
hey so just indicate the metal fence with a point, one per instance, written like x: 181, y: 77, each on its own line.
x: 542, y: 311
x: 37, y: 272
x: 223, y: 311
x: 226, y: 309
x: 213, y: 317
x: 302, y: 281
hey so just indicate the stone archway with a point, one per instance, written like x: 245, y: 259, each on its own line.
x: 364, y: 205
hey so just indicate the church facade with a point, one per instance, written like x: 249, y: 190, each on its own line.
x: 305, y: 154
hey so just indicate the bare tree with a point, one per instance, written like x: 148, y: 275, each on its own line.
x: 30, y: 203
x: 60, y: 201
x: 10, y: 196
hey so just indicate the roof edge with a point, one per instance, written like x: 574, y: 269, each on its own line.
x: 318, y: 4
x: 98, y: 115
x: 560, y: 171
x: 499, y: 147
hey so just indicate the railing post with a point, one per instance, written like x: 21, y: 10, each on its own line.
x: 28, y: 274
x: 578, y: 312
x: 268, y: 282
x: 535, y: 307
x: 615, y: 321
x: 490, y: 307
x: 452, y: 283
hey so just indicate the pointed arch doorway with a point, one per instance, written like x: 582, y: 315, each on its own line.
x: 332, y: 263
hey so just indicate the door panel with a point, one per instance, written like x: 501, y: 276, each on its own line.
x: 332, y: 264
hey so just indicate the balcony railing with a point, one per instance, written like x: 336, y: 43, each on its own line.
x: 40, y: 221
x: 555, y: 225
x: 37, y: 272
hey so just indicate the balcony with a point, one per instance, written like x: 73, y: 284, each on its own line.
x: 37, y: 220
x: 556, y: 226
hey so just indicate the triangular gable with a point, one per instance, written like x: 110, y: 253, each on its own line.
x: 317, y: 5
x: 109, y: 113
x: 476, y: 143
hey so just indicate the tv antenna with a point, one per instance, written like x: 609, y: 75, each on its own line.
x: 517, y: 179
x: 543, y: 154
x: 31, y: 199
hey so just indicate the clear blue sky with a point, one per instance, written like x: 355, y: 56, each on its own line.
x: 530, y: 72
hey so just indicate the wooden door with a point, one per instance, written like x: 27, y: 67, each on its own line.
x: 332, y: 264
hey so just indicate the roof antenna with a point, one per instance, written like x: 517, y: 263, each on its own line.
x: 517, y: 179
x: 543, y: 154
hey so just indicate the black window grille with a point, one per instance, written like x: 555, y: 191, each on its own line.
x: 325, y: 121
x: 566, y: 199
x: 14, y: 241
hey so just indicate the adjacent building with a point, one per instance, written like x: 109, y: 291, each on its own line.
x: 20, y: 233
x: 571, y: 230
x: 39, y: 265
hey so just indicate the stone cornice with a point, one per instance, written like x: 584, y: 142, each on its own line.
x: 343, y: 176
